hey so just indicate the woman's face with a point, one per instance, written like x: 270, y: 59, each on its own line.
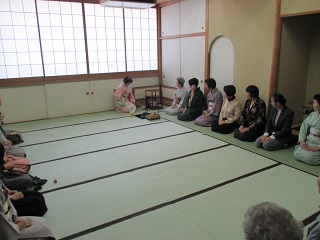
x: 206, y: 86
x: 316, y: 105
x: 178, y: 85
x: 127, y: 84
x: 273, y: 103
x: 225, y: 95
x: 248, y: 95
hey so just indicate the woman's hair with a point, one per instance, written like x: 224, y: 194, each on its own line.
x: 230, y: 90
x: 2, y: 151
x: 268, y: 221
x: 278, y: 97
x: 180, y: 81
x: 193, y: 81
x: 211, y: 83
x: 253, y: 91
x: 317, y: 98
x: 127, y: 79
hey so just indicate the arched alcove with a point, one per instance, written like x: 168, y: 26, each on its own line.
x: 222, y: 61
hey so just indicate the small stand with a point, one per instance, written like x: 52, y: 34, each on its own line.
x: 153, y: 102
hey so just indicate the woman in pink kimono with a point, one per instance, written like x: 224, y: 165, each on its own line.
x: 123, y: 97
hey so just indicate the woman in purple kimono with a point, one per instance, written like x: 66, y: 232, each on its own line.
x: 214, y: 102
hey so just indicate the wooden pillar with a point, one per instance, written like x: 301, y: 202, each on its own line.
x: 275, y: 52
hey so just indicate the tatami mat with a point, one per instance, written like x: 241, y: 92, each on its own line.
x: 112, y: 161
x: 166, y: 224
x: 219, y: 213
x: 120, y: 177
x: 173, y: 180
x: 65, y: 132
x: 284, y: 156
x: 85, y: 144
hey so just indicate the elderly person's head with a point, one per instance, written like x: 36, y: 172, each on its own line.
x: 180, y: 82
x: 269, y: 221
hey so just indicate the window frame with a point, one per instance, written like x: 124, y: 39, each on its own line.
x: 26, y: 81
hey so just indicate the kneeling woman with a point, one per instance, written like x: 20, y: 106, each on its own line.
x: 123, y: 96
x: 230, y: 112
x: 253, y: 116
x: 308, y: 150
x: 277, y: 133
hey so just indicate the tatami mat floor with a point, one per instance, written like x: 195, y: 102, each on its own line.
x: 121, y: 177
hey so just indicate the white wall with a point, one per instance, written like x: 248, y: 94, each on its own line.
x: 61, y: 99
x: 183, y: 54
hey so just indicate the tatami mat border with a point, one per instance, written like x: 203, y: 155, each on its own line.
x: 249, y: 150
x: 74, y: 124
x: 136, y: 214
x: 104, y: 149
x: 92, y: 134
x: 135, y: 169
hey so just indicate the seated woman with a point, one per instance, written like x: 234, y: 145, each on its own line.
x: 308, y: 150
x: 14, y: 227
x: 192, y: 105
x: 20, y: 165
x: 230, y: 112
x: 28, y: 202
x: 178, y: 99
x: 277, y: 133
x: 123, y: 97
x: 16, y: 181
x: 253, y: 116
x: 214, y: 102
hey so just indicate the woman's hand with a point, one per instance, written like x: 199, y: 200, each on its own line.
x: 242, y: 129
x: 221, y: 122
x: 314, y: 149
x: 22, y: 223
x: 206, y: 115
x: 8, y: 166
x: 15, y: 195
x: 304, y: 145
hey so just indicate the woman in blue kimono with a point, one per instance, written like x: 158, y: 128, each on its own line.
x: 308, y: 150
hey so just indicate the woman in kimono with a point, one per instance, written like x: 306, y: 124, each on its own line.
x: 20, y: 165
x: 13, y: 227
x: 308, y: 150
x: 17, y: 181
x: 230, y: 112
x: 253, y: 116
x: 123, y: 97
x: 178, y: 99
x: 193, y: 104
x: 214, y: 102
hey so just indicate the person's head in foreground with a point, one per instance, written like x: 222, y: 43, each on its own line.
x: 269, y: 221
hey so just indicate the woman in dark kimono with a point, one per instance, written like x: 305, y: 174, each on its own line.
x: 193, y: 104
x: 253, y: 116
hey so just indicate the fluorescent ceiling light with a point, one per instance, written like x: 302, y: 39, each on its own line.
x: 142, y: 4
